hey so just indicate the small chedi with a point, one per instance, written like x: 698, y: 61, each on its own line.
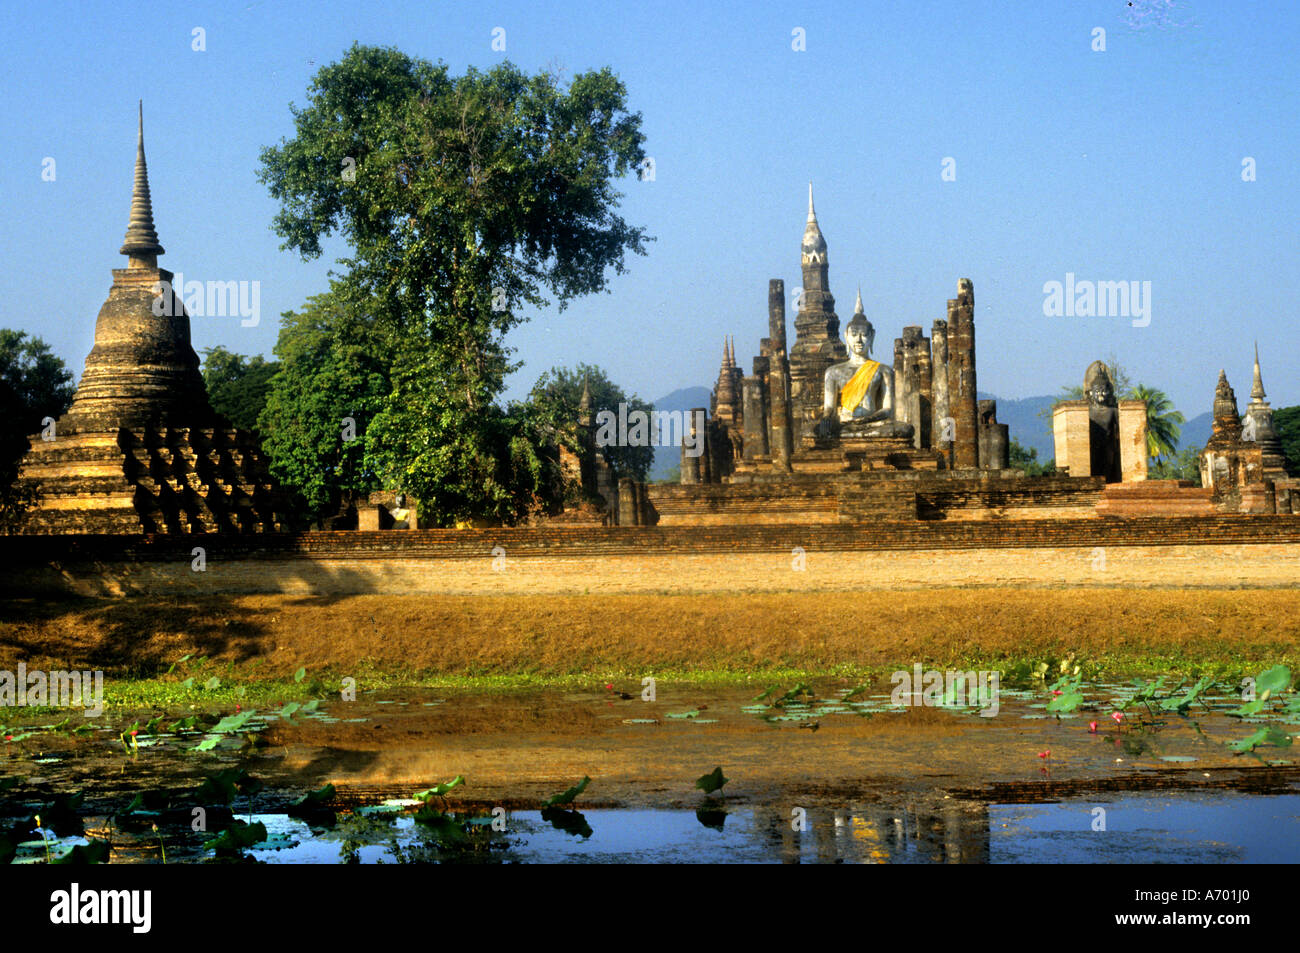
x: 1242, y: 463
x: 141, y: 450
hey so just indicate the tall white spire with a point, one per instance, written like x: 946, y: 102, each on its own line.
x: 814, y: 244
x: 857, y: 308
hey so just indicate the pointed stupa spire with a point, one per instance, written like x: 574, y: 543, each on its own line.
x: 857, y: 307
x: 814, y: 244
x: 141, y: 239
x: 1257, y: 386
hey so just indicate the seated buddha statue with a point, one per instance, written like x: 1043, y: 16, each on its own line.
x: 858, y: 398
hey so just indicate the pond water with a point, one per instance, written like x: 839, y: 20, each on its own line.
x: 826, y: 774
x: 1195, y: 828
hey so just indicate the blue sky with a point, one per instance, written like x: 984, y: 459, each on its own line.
x: 1117, y: 165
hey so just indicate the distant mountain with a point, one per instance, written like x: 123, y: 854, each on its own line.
x: 1025, y: 426
x: 1196, y: 432
x: 685, y: 399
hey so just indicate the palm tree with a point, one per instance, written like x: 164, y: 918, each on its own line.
x: 1164, y: 424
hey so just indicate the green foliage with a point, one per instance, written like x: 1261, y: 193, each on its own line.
x: 314, y: 807
x: 1270, y: 735
x: 237, y: 386
x: 712, y: 782
x: 555, y: 397
x: 34, y: 384
x: 313, y: 799
x: 464, y: 199
x: 439, y: 790
x: 1181, y: 704
x: 1183, y: 465
x: 236, y: 838
x: 1164, y: 423
x: 1273, y: 681
x: 332, y: 371
x: 568, y: 796
x: 94, y: 852
x: 1026, y: 459
x: 39, y: 379
x: 1067, y: 694
x: 490, y: 464
x: 571, y: 822
x: 1286, y: 421
x: 222, y: 787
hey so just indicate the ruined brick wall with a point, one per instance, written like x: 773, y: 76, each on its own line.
x: 370, y: 562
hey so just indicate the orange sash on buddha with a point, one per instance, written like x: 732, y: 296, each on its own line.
x: 855, y: 390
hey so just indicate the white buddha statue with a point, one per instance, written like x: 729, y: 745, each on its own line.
x: 859, y: 393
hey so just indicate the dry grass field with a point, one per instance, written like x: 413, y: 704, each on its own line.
x: 718, y: 632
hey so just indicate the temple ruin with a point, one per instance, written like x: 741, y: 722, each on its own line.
x: 141, y: 450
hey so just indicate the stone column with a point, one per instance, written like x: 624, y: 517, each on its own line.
x: 911, y: 383
x: 961, y: 376
x: 1071, y: 433
x: 994, y: 438
x: 926, y: 388
x: 940, y: 432
x: 1132, y: 440
x: 755, y: 443
x: 780, y: 430
x: 692, y: 469
x: 627, y: 515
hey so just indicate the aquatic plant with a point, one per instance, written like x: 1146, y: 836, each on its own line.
x: 229, y: 725
x: 568, y: 796
x: 235, y: 839
x: 95, y: 851
x: 1271, y: 735
x: 712, y: 782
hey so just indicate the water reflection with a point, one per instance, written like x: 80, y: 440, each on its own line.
x: 1188, y: 827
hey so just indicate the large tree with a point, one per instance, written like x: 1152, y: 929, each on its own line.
x: 464, y: 200
x: 330, y: 383
x: 39, y: 379
x: 555, y: 398
x: 237, y: 385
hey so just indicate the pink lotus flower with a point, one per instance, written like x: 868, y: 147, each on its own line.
x: 1045, y: 754
x: 1092, y: 727
x: 1118, y: 716
x: 1056, y: 691
x: 134, y: 732
x: 609, y: 686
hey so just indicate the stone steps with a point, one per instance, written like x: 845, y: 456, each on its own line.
x: 1156, y: 498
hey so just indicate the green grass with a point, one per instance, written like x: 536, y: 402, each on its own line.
x: 240, y: 685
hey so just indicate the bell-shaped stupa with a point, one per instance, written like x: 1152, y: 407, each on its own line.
x: 141, y: 450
